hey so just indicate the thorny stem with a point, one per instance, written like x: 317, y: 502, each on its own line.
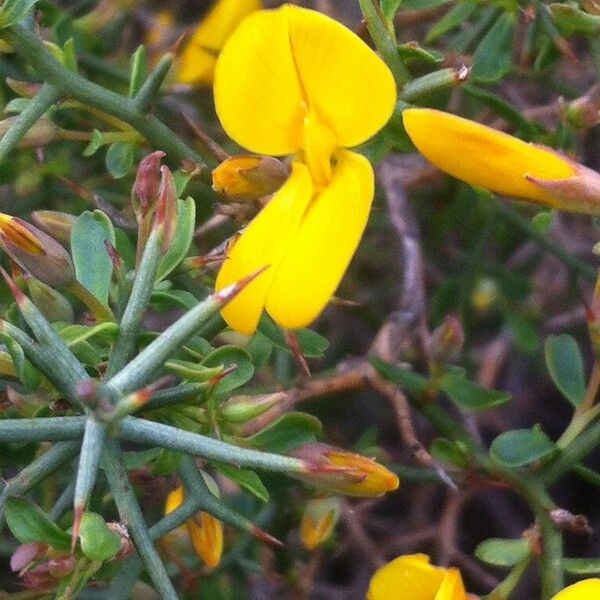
x: 29, y: 47
x: 36, y: 107
x: 384, y: 41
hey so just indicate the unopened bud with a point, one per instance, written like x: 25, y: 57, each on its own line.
x: 205, y: 532
x: 54, y: 223
x: 36, y: 252
x: 318, y: 520
x: 147, y: 183
x: 24, y: 89
x: 448, y: 339
x: 344, y: 472
x: 43, y: 131
x: 484, y: 295
x: 52, y: 304
x: 249, y: 176
x: 584, y: 112
x: 166, y: 209
x: 241, y: 409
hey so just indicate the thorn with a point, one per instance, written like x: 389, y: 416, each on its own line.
x: 226, y: 371
x: 443, y: 475
x: 262, y: 535
x: 336, y: 301
x: 114, y: 255
x: 231, y: 291
x: 18, y: 294
x: 77, y: 515
x: 292, y: 341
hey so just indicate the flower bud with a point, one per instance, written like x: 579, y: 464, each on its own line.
x: 318, y: 520
x: 344, y: 472
x: 166, y: 208
x: 145, y: 190
x: 42, y: 132
x: 448, y: 339
x: 36, y: 252
x: 241, y: 409
x: 52, y: 304
x: 584, y: 112
x: 249, y: 176
x: 56, y: 224
x: 205, y: 532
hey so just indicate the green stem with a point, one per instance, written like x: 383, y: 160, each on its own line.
x: 129, y: 328
x: 149, y: 90
x: 52, y: 429
x: 30, y: 48
x: 131, y: 514
x: 37, y: 471
x: 506, y: 587
x: 384, y: 41
x: 141, y: 431
x: 36, y: 107
x: 184, y: 392
x: 143, y: 368
x: 584, y: 269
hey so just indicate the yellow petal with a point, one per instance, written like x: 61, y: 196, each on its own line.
x: 282, y: 65
x: 587, y: 589
x: 174, y: 500
x: 263, y: 243
x: 323, y: 247
x: 483, y: 156
x: 257, y: 92
x: 344, y: 82
x: 206, y: 534
x: 407, y: 577
x: 196, y: 64
x: 452, y: 587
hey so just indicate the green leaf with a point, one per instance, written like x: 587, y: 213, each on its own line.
x: 29, y: 523
x: 97, y: 541
x: 493, y: 58
x: 28, y: 375
x: 451, y: 20
x: 182, y: 239
x: 571, y: 19
x: 246, y: 479
x: 409, y: 381
x: 70, y: 56
x: 565, y: 365
x: 469, y: 396
x: 93, y: 266
x: 13, y: 11
x: 502, y: 552
x: 449, y: 452
x: 312, y: 344
x: 412, y: 51
x: 422, y: 4
x: 520, y: 447
x: 389, y: 8
x: 163, y: 300
x: 231, y: 355
x: 138, y: 70
x: 288, y: 432
x: 119, y: 158
x: 584, y: 567
x: 96, y: 142
x: 76, y: 334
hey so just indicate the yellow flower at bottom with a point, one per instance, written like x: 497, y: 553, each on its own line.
x: 196, y: 64
x: 587, y: 589
x: 499, y: 162
x: 206, y: 532
x: 413, y: 577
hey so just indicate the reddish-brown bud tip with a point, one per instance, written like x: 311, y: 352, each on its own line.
x: 262, y: 535
x: 228, y: 293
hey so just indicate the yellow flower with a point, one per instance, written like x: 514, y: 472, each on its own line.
x: 587, y: 589
x: 499, y: 162
x: 318, y: 520
x: 293, y: 81
x: 206, y: 532
x: 412, y: 576
x: 196, y: 64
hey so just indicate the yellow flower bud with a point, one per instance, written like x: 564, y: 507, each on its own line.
x: 249, y: 176
x: 499, y: 162
x: 345, y: 472
x: 36, y: 252
x: 205, y: 532
x: 318, y: 520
